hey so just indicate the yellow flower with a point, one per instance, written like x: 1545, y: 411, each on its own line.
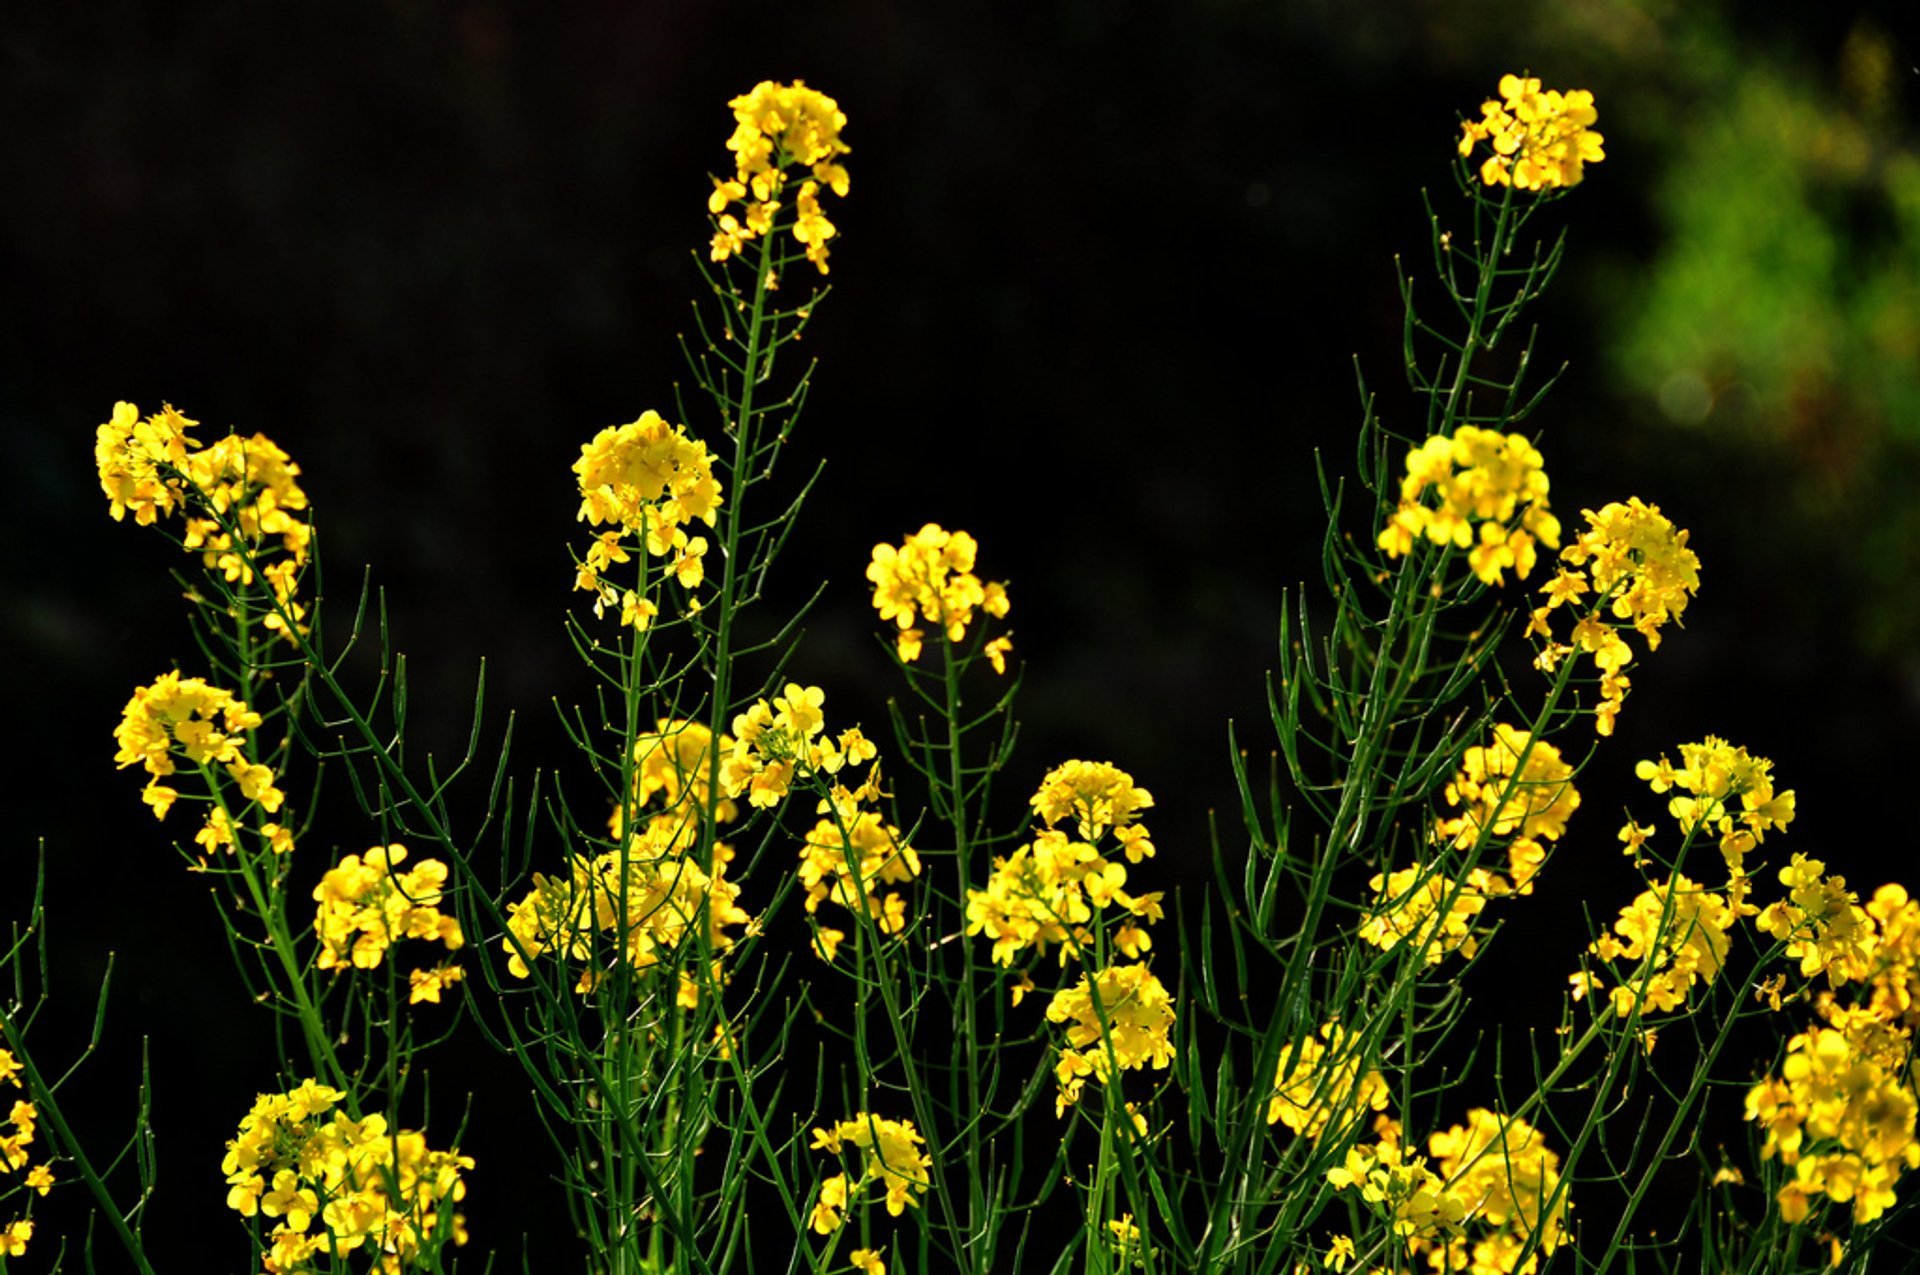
x: 1537, y: 808
x: 780, y: 129
x: 365, y: 905
x: 894, y: 1155
x: 930, y: 575
x: 1540, y: 140
x: 867, y: 1260
x: 1317, y: 1084
x: 1476, y: 476
x: 1134, y: 1016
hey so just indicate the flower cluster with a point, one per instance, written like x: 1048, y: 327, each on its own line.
x: 242, y: 497
x: 1821, y: 922
x: 1732, y: 795
x: 892, y: 1154
x: 1500, y: 798
x: 1122, y: 1015
x: 21, y: 1124
x: 1317, y: 1085
x: 1047, y: 891
x: 301, y: 1160
x: 183, y: 717
x: 849, y: 853
x: 675, y: 762
x: 365, y: 907
x: 782, y: 741
x: 1422, y: 905
x: 1676, y: 934
x: 1056, y: 891
x: 1478, y: 476
x: 1540, y: 140
x: 1841, y: 1114
x: 930, y: 577
x: 1637, y: 567
x: 650, y: 896
x: 779, y: 127
x: 1500, y: 1169
x: 1490, y: 1191
x: 649, y: 480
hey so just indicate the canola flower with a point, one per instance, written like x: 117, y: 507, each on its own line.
x: 849, y: 853
x: 1677, y: 935
x: 21, y: 1125
x: 333, y: 1185
x: 1422, y: 906
x: 1485, y: 1191
x: 365, y: 906
x: 649, y: 481
x: 1317, y: 1084
x: 1635, y: 565
x: 1048, y: 891
x: 782, y: 131
x: 1542, y: 799
x: 893, y: 1154
x: 929, y: 578
x: 1541, y: 141
x: 245, y: 493
x: 1133, y: 1015
x: 1477, y: 478
x: 184, y: 718
x: 1732, y: 794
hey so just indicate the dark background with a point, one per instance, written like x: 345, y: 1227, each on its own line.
x: 1103, y: 272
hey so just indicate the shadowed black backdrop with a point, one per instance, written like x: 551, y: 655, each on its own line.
x: 1102, y: 274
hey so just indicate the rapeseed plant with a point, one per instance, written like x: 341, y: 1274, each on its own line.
x: 1247, y: 1096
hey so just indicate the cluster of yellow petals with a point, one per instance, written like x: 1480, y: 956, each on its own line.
x: 1046, y: 892
x: 1731, y: 794
x: 1477, y: 476
x: 1821, y: 922
x: 1536, y: 810
x: 1485, y: 1192
x: 1636, y: 565
x: 1540, y: 140
x: 1676, y: 934
x: 649, y: 480
x: 22, y: 1123
x: 365, y: 906
x: 779, y: 128
x: 1500, y: 1169
x: 848, y: 855
x: 1841, y: 1113
x: 929, y: 577
x: 335, y: 1185
x: 1422, y: 906
x: 1133, y: 1017
x: 1320, y: 1084
x: 247, y: 501
x: 644, y: 901
x: 186, y: 718
x: 782, y: 741
x: 892, y: 1154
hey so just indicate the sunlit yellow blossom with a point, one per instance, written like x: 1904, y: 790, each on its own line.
x: 365, y: 906
x: 780, y: 129
x: 1500, y: 1169
x: 1540, y: 140
x: 1732, y: 794
x: 848, y: 854
x: 1636, y: 566
x: 242, y: 498
x: 665, y: 893
x: 893, y: 1155
x: 185, y: 718
x: 1400, y: 1188
x: 1420, y: 905
x: 1677, y: 935
x: 1319, y: 1084
x: 1476, y: 477
x: 930, y: 576
x: 867, y: 1261
x: 1841, y: 1113
x: 1500, y: 800
x: 651, y: 481
x: 1134, y: 1015
x: 299, y: 1158
x: 1821, y: 922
